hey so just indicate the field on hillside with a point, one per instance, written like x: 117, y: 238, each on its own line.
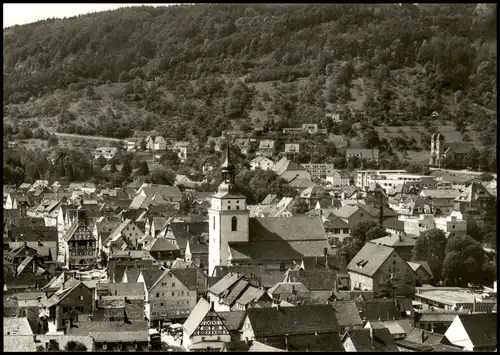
x: 448, y: 131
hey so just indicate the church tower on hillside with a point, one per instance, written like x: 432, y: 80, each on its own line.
x: 228, y: 217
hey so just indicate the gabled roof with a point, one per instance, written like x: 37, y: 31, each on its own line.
x: 130, y: 289
x: 182, y: 231
x: 421, y: 336
x: 196, y: 316
x: 362, y: 340
x: 376, y: 309
x: 258, y: 275
x: 287, y: 288
x: 421, y: 264
x: 440, y: 194
x: 481, y: 328
x: 193, y: 278
x: 369, y: 259
x: 271, y: 321
x: 160, y: 244
x: 347, y: 313
x: 335, y: 222
x: 314, y: 280
x: 226, y: 282
x: 346, y: 211
x: 473, y: 192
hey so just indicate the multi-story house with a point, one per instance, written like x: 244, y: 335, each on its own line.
x: 132, y: 144
x: 175, y: 293
x: 204, y: 329
x: 126, y: 233
x: 319, y: 170
x: 266, y: 148
x: 317, y: 330
x: 244, y: 144
x: 381, y: 269
x: 361, y: 153
x: 106, y: 152
x: 235, y: 293
x: 156, y: 143
x: 261, y: 162
x: 441, y: 199
x: 451, y: 225
x: 114, y: 336
x: 61, y: 309
x: 82, y: 245
x: 183, y: 149
x: 473, y: 202
x: 337, y: 179
x: 291, y: 150
x: 401, y: 243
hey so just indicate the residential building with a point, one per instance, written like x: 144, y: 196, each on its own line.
x: 115, y: 336
x: 336, y: 229
x: 184, y: 150
x: 381, y: 269
x: 402, y: 244
x: 204, y: 330
x: 261, y: 162
x: 290, y: 171
x: 133, y: 144
x: 299, y: 328
x: 82, y: 245
x: 156, y: 143
x: 291, y: 150
x: 474, y: 332
x: 235, y: 293
x: 266, y: 148
x: 106, y: 152
x: 61, y: 309
x: 423, y: 273
x: 244, y: 144
x: 416, y: 226
x: 347, y: 316
x: 363, y: 212
x: 319, y: 171
x: 337, y: 179
x: 369, y: 340
x: 127, y: 234
x: 398, y: 328
x: 175, y: 293
x: 364, y: 154
x: 451, y: 226
x: 473, y: 202
x: 440, y: 150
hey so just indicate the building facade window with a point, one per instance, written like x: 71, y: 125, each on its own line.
x: 234, y: 224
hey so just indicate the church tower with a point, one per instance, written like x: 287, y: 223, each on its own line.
x: 228, y: 217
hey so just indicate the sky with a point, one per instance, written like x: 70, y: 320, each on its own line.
x: 23, y: 13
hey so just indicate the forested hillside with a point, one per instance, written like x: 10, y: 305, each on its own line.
x: 191, y: 70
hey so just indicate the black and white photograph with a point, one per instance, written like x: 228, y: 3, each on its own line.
x: 226, y: 177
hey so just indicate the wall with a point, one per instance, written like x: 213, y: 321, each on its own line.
x: 365, y: 281
x: 348, y: 345
x: 141, y: 346
x: 402, y: 273
x: 457, y: 335
x: 422, y: 276
x: 71, y: 302
x: 220, y: 217
x: 178, y: 301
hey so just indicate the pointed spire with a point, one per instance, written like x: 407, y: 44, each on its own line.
x: 227, y: 165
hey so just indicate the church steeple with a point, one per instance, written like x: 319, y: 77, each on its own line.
x: 228, y: 169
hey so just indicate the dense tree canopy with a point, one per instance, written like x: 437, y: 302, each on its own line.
x: 431, y: 247
x: 364, y: 231
x: 464, y: 261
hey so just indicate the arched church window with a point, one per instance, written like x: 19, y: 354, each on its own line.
x: 234, y: 224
